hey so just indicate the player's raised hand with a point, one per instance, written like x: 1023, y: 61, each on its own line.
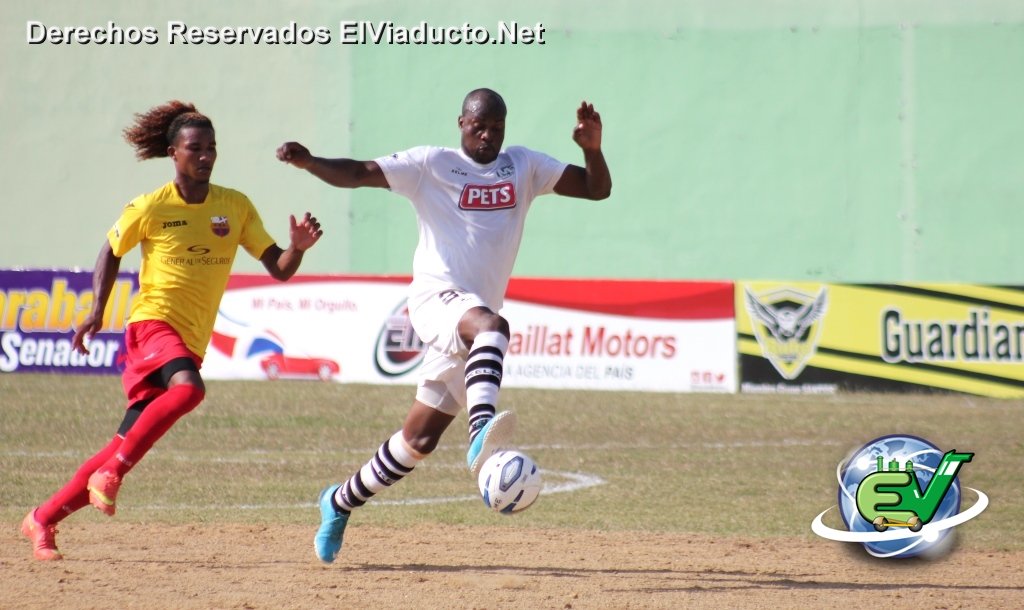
x: 295, y: 154
x: 587, y: 133
x: 304, y: 234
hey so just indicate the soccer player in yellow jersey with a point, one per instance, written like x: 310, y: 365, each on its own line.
x: 189, y: 231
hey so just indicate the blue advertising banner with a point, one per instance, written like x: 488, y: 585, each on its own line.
x: 39, y: 310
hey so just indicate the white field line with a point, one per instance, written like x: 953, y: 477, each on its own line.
x: 571, y: 481
x: 252, y: 455
x: 564, y: 482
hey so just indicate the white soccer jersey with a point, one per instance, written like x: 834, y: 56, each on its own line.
x: 471, y: 216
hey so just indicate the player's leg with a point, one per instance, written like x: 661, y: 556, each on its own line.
x: 396, y: 457
x: 432, y: 411
x: 40, y: 524
x: 461, y: 326
x: 485, y: 335
x: 393, y: 461
x: 185, y: 390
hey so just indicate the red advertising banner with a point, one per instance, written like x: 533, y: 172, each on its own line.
x: 594, y: 334
x: 585, y: 334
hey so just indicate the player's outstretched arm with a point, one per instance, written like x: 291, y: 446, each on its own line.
x: 282, y: 264
x: 594, y: 180
x: 103, y: 277
x: 344, y: 173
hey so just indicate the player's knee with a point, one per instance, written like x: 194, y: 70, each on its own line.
x: 484, y: 321
x: 190, y: 394
x: 488, y: 321
x: 423, y: 443
x: 501, y: 325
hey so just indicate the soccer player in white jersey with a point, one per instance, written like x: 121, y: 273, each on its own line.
x: 471, y: 203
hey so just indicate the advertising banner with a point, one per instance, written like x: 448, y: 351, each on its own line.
x: 811, y: 337
x: 39, y: 311
x: 584, y: 334
x: 589, y: 334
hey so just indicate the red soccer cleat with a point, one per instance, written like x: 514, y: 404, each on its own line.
x: 103, y: 486
x: 43, y: 537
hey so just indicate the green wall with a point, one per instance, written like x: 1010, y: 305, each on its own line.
x: 833, y: 141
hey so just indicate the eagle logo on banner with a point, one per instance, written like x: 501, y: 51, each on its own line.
x: 219, y: 225
x: 787, y: 324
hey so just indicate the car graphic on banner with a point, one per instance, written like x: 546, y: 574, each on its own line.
x: 278, y: 365
x: 241, y: 342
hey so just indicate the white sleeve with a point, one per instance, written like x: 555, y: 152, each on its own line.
x: 544, y: 171
x: 404, y: 169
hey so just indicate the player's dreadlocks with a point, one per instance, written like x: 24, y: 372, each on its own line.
x: 156, y: 129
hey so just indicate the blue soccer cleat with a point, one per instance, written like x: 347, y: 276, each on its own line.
x: 332, y: 527
x: 496, y: 434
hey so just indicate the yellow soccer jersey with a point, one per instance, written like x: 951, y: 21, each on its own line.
x: 187, y: 253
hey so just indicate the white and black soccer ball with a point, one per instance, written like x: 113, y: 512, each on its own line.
x: 509, y: 482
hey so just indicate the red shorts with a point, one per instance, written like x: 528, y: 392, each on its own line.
x: 149, y: 345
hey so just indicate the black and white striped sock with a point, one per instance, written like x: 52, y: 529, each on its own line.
x: 479, y: 415
x: 393, y: 461
x: 484, y: 369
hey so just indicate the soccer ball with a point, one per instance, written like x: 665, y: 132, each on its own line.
x: 509, y: 482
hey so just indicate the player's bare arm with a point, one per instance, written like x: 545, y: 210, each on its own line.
x: 594, y: 180
x: 107, y: 266
x: 343, y: 173
x: 282, y: 264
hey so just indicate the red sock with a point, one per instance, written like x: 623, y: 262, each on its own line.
x: 156, y: 419
x: 74, y: 494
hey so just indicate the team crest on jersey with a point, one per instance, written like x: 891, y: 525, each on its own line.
x: 787, y: 324
x: 488, y: 196
x: 219, y: 225
x: 506, y: 171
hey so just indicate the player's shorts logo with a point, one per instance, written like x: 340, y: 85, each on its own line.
x: 219, y: 225
x: 488, y: 196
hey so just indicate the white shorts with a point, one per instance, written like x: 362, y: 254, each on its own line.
x: 435, y: 317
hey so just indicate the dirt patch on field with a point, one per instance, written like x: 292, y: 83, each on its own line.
x: 216, y: 566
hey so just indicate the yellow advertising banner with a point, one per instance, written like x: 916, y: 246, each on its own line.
x: 806, y: 337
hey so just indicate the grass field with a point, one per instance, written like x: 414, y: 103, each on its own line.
x: 716, y: 464
x: 715, y: 467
